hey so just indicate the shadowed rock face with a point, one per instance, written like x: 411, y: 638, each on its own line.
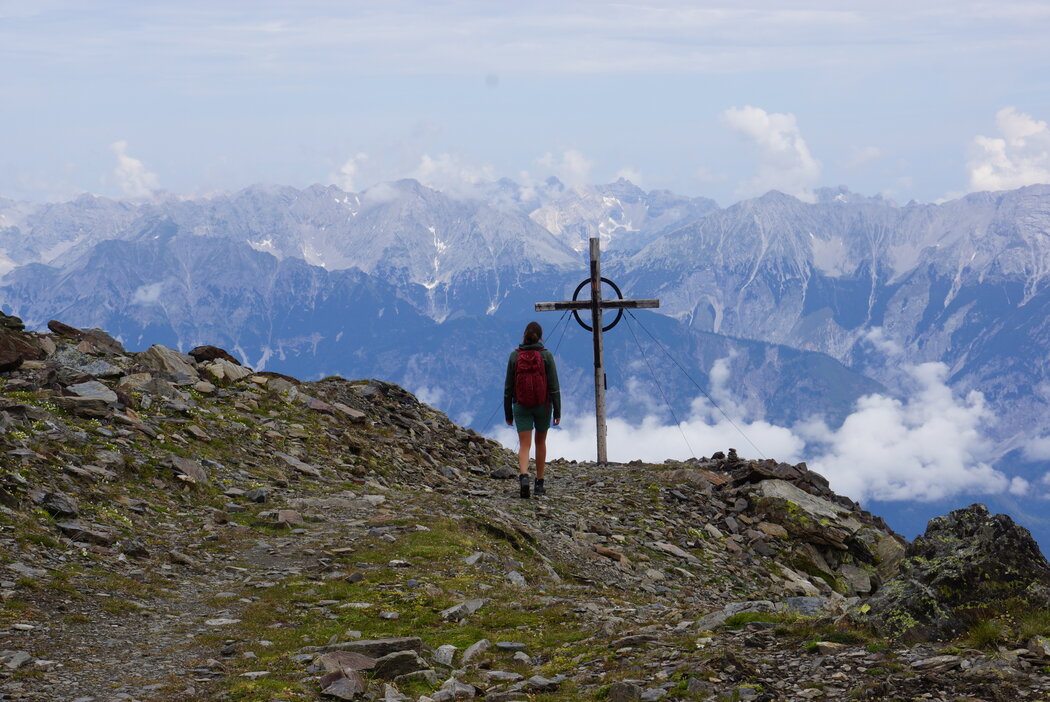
x: 15, y: 348
x: 968, y: 562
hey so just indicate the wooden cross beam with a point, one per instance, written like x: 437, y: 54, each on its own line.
x: 596, y: 305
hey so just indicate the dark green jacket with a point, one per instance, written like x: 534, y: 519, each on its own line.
x: 552, y: 380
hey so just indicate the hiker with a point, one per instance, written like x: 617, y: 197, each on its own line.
x: 530, y: 395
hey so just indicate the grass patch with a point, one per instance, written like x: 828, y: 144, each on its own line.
x: 987, y: 634
x: 300, y: 611
x: 1034, y: 624
x: 740, y: 620
x: 810, y: 631
x: 117, y: 605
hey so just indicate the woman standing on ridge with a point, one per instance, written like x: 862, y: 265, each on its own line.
x: 530, y: 395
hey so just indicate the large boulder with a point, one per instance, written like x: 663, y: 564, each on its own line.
x: 16, y: 348
x: 804, y: 515
x: 203, y: 354
x: 90, y: 340
x: 69, y: 357
x: 968, y: 561
x: 222, y: 370
x: 11, y: 323
x: 179, y: 367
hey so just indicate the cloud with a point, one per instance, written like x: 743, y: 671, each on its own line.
x: 654, y: 441
x: 785, y: 163
x: 147, y: 294
x: 131, y: 173
x: 631, y: 174
x: 926, y: 447
x: 1021, y: 157
x: 876, y: 336
x: 346, y: 178
x: 379, y: 194
x: 430, y: 396
x: 449, y: 173
x: 1019, y: 486
x: 573, y: 168
x: 1037, y: 449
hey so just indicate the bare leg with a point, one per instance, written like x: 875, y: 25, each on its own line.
x: 541, y: 454
x: 524, y: 444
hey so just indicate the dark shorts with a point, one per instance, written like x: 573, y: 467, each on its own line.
x: 529, y: 418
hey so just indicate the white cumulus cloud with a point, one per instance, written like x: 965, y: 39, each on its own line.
x: 131, y: 173
x: 926, y: 447
x: 430, y: 395
x: 785, y: 163
x: 1019, y: 157
x: 1037, y: 449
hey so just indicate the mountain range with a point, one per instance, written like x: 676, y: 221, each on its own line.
x: 810, y: 306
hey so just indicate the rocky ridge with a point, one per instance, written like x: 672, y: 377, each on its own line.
x: 178, y: 526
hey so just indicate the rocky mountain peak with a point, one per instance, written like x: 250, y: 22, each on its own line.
x: 246, y: 534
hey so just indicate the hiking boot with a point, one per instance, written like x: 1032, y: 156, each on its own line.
x: 523, y: 480
x: 540, y: 490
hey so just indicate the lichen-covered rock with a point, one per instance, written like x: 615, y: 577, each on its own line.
x: 805, y: 515
x: 967, y: 559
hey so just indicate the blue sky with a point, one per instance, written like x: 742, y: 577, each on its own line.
x: 916, y: 100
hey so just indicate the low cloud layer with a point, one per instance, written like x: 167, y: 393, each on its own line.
x: 784, y: 160
x: 1019, y: 157
x: 131, y: 173
x: 926, y: 447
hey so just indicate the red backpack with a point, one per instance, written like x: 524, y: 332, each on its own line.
x: 530, y: 379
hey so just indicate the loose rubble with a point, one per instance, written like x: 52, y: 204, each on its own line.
x: 179, y: 526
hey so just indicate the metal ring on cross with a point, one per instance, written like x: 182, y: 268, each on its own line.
x: 619, y: 313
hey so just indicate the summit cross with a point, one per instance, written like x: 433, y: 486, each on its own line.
x: 596, y: 305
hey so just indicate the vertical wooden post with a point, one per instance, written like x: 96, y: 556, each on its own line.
x: 596, y: 305
x: 599, y: 349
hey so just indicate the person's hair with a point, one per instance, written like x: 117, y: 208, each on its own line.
x: 533, y: 333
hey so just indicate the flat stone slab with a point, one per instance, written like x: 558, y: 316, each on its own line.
x: 189, y: 470
x: 298, y: 465
x: 87, y: 533
x: 675, y: 551
x: 461, y: 611
x: 938, y: 663
x: 377, y: 648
